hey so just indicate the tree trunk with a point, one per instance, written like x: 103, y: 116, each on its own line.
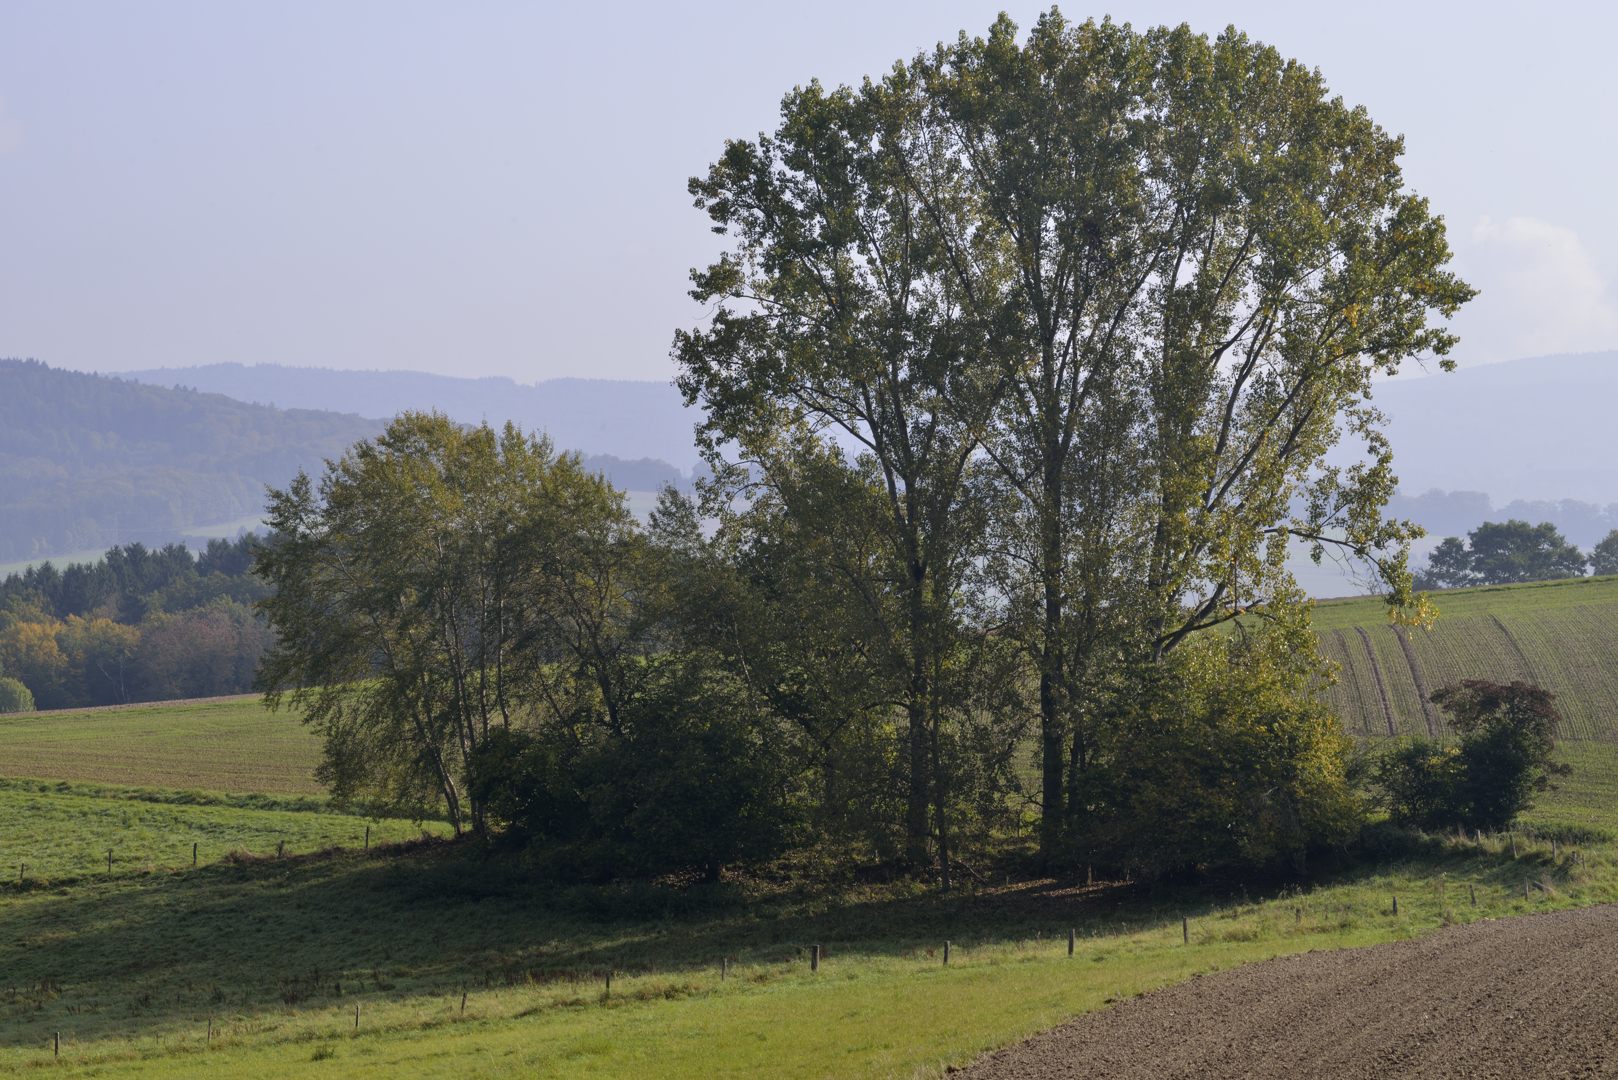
x: 1052, y: 752
x: 916, y: 831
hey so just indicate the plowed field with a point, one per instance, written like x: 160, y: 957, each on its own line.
x: 1535, y: 996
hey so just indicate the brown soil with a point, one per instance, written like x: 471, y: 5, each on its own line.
x: 1535, y: 996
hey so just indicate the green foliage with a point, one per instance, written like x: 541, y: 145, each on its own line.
x: 1604, y: 556
x: 14, y: 696
x: 918, y: 265
x: 1502, y: 553
x: 439, y: 584
x: 1224, y: 761
x: 689, y: 784
x: 1507, y: 736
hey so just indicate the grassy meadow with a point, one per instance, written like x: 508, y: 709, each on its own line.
x: 254, y: 965
x: 221, y: 745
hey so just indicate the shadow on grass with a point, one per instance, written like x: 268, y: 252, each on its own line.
x: 141, y: 955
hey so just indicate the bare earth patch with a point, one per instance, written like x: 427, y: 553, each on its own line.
x: 1535, y: 996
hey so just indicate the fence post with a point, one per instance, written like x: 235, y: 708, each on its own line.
x: 946, y: 954
x: 1072, y: 939
x: 1396, y: 903
x: 1185, y: 930
x: 109, y: 860
x: 193, y: 854
x: 814, y: 958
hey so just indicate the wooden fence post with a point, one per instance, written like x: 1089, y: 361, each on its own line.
x: 1072, y: 939
x: 1185, y: 930
x: 356, y: 1016
x: 1396, y: 903
x: 193, y: 854
x: 946, y: 954
x: 814, y: 958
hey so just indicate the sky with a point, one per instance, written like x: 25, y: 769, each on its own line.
x: 499, y: 188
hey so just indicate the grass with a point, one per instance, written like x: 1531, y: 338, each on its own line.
x: 280, y: 959
x: 228, y: 744
x: 62, y: 834
x: 1559, y: 634
x: 274, y: 954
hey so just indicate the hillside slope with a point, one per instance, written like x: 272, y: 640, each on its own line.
x: 625, y: 418
x: 88, y: 461
x: 1562, y: 635
x: 1538, y: 428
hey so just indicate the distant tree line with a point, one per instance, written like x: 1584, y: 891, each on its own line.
x: 1454, y: 513
x: 1018, y: 377
x: 140, y: 624
x: 1508, y: 552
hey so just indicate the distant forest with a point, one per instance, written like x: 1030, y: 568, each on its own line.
x: 140, y: 624
x: 89, y: 461
x: 1451, y: 513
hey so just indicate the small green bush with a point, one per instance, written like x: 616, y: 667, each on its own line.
x: 14, y: 696
x: 1508, y: 732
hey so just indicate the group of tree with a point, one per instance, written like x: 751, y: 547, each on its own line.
x: 1504, y: 553
x: 1018, y: 380
x: 138, y: 625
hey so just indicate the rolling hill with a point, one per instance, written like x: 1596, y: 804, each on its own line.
x: 88, y: 461
x: 627, y: 419
x: 1562, y: 635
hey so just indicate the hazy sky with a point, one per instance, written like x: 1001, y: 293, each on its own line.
x: 499, y: 188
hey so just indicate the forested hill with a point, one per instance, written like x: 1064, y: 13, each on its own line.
x: 626, y: 418
x: 88, y: 461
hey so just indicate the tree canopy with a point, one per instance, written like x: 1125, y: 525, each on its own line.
x: 1503, y: 553
x: 1126, y: 287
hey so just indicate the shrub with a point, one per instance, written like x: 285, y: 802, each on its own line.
x: 1507, y: 735
x: 15, y: 697
x: 688, y: 782
x: 1226, y: 760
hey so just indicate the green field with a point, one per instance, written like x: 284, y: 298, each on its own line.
x: 227, y: 744
x: 1562, y: 635
x: 252, y: 965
